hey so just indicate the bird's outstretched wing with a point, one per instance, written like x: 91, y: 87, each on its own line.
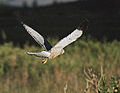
x: 73, y: 36
x: 43, y: 54
x: 38, y: 38
x: 69, y: 39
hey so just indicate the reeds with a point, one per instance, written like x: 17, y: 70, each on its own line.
x: 21, y: 73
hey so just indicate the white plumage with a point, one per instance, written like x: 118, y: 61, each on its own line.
x: 44, y: 54
x: 69, y: 39
x: 38, y: 38
x: 52, y: 52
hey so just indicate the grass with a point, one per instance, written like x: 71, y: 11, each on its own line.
x: 21, y: 73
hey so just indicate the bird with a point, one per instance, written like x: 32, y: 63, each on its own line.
x: 52, y: 52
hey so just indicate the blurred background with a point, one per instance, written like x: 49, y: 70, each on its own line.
x: 59, y: 17
x: 55, y: 19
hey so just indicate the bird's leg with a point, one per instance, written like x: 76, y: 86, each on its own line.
x: 44, y: 61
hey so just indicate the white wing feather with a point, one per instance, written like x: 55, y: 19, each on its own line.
x: 44, y: 54
x: 69, y: 39
x: 38, y: 38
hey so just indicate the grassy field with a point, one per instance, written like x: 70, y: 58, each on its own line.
x: 20, y: 73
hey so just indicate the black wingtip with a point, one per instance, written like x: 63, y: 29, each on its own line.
x: 22, y: 23
x: 83, y: 25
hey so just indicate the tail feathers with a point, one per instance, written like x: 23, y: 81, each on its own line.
x: 43, y: 54
x: 30, y: 53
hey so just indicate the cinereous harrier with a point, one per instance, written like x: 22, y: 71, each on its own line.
x: 52, y: 52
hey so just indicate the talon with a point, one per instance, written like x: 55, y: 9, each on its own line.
x: 44, y: 61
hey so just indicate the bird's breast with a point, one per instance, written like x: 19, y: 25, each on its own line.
x: 54, y: 53
x: 52, y: 56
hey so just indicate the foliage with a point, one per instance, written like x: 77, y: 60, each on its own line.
x: 100, y: 85
x: 21, y: 73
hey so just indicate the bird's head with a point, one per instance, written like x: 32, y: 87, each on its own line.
x: 62, y: 52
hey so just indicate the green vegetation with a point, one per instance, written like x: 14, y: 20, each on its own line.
x: 97, y: 84
x: 21, y: 73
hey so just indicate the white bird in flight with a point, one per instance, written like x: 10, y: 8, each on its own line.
x: 52, y: 52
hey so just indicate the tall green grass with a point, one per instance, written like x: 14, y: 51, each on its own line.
x: 21, y: 73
